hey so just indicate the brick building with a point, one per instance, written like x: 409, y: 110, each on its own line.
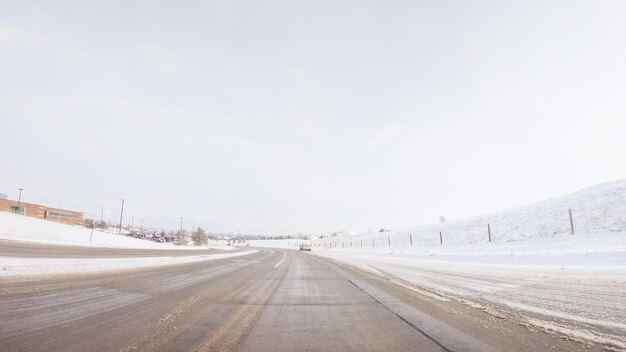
x: 42, y: 212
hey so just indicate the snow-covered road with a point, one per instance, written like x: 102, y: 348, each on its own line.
x: 586, y: 302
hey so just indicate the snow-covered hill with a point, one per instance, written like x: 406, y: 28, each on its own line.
x: 24, y: 228
x: 597, y: 209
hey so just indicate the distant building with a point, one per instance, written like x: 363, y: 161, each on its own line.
x: 41, y: 211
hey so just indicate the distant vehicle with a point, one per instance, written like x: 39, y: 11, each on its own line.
x: 305, y: 247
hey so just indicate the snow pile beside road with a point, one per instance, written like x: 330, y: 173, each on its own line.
x: 579, y: 293
x: 597, y: 249
x: 24, y: 228
x: 14, y: 266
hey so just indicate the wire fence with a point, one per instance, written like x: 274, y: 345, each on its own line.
x: 519, y: 225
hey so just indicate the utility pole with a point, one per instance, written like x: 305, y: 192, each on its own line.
x: 121, y: 215
x: 101, y: 214
x: 19, y: 200
x: 181, y: 224
x: 132, y: 223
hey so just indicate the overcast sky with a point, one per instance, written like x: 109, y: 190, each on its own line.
x: 278, y: 117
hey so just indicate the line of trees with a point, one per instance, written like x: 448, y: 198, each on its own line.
x: 92, y: 224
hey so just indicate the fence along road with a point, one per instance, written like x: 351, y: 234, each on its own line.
x: 526, y: 223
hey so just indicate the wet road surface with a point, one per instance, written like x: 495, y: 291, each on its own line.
x: 273, y: 300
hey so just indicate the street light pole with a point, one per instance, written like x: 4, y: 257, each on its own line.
x: 19, y: 200
x: 121, y: 214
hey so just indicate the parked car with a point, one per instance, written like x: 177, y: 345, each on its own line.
x: 305, y: 247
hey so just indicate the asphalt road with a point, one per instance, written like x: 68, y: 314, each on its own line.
x: 273, y: 300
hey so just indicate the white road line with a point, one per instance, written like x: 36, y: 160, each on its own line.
x: 281, y: 261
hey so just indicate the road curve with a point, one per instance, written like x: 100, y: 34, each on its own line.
x: 273, y: 300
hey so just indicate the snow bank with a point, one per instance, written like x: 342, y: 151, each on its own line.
x: 11, y: 266
x: 581, y: 292
x: 597, y: 249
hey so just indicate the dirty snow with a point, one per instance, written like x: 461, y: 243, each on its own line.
x: 12, y: 266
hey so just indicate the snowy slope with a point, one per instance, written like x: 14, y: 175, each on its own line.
x: 597, y: 209
x: 23, y: 228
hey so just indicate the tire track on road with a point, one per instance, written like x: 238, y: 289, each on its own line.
x: 235, y: 329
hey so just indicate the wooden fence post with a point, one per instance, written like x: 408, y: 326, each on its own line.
x: 489, y: 231
x: 571, y: 221
x: 411, y: 239
x: 389, y: 240
x: 440, y: 238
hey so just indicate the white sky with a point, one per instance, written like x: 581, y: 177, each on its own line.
x: 279, y: 117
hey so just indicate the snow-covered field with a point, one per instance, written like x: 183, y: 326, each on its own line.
x: 24, y: 228
x: 534, y: 272
x: 597, y: 209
